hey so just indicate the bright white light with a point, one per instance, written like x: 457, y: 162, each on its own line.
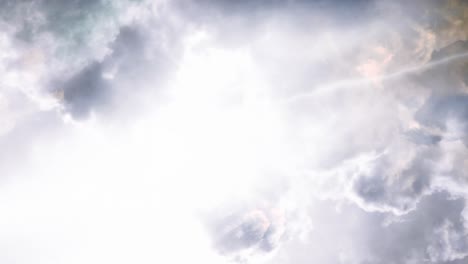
x: 136, y: 189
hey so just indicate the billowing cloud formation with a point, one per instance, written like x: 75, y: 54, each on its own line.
x: 256, y: 230
x: 234, y: 131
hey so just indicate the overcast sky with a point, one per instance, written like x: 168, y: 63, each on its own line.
x: 243, y: 131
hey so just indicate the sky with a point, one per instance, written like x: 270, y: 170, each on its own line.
x: 248, y: 131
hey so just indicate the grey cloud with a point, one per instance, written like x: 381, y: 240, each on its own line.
x: 386, y: 185
x: 238, y: 23
x: 90, y: 90
x: 85, y: 91
x: 422, y: 137
x: 437, y: 110
x: 63, y: 45
x: 136, y: 65
x: 401, y: 188
x: 339, y: 9
x: 445, y: 19
x: 450, y: 77
x: 447, y: 84
x: 420, y: 235
x: 72, y: 25
x: 143, y: 54
x: 384, y: 188
x: 243, y: 232
x: 347, y: 234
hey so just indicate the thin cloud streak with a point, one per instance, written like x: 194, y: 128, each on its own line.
x: 364, y: 82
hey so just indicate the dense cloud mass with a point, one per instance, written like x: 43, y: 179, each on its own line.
x: 252, y: 131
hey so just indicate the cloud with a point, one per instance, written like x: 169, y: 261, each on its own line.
x: 347, y: 234
x: 420, y: 137
x: 427, y: 234
x: 397, y: 118
x: 85, y: 90
x: 292, y: 131
x: 94, y: 86
x: 255, y: 230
